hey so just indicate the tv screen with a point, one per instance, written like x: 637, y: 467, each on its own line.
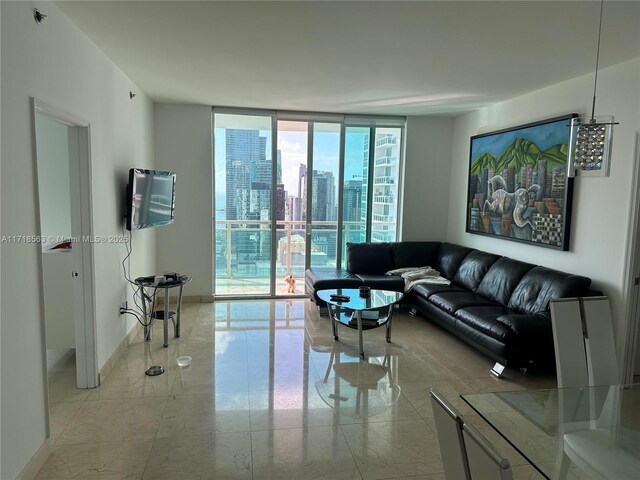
x: 150, y: 198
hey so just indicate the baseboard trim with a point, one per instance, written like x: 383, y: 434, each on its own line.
x: 34, y: 465
x: 187, y: 299
x: 119, y: 352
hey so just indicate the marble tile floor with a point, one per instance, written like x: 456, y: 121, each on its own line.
x: 270, y: 395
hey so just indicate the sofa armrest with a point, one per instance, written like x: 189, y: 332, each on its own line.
x: 532, y: 339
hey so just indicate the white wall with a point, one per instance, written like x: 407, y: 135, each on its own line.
x: 53, y: 177
x: 57, y: 64
x: 183, y: 144
x: 600, y: 205
x: 427, y: 170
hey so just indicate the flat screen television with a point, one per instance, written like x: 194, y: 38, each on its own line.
x: 150, y: 198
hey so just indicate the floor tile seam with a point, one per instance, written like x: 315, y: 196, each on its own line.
x: 155, y: 437
x: 59, y: 436
x: 353, y: 457
x: 119, y: 398
x: 139, y: 440
x: 202, y: 435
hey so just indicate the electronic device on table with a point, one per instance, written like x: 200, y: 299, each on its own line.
x: 160, y: 280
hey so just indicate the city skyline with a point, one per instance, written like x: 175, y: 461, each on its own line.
x: 293, y: 143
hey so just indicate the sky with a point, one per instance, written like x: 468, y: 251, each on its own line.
x: 544, y: 136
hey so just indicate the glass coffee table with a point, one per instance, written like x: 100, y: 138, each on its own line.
x: 360, y: 313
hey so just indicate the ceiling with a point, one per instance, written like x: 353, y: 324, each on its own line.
x: 406, y: 58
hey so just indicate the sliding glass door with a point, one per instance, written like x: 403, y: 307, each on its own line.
x: 243, y: 204
x: 325, y: 177
x: 292, y: 206
x: 291, y: 190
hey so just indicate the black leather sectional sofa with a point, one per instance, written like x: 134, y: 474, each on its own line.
x: 498, y: 305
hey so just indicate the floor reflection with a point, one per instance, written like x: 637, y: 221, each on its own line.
x: 269, y: 394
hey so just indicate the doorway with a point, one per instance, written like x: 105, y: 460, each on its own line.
x: 64, y: 197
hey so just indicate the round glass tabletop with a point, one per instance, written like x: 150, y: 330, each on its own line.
x: 376, y: 299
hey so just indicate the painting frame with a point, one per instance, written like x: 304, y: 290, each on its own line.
x: 517, y: 184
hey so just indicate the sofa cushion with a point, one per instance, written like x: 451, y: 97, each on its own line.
x: 502, y: 279
x: 450, y: 257
x: 414, y: 254
x: 483, y: 319
x: 541, y: 284
x: 453, y: 301
x: 383, y: 282
x: 369, y: 258
x: 326, y: 278
x: 528, y: 326
x: 473, y: 269
x: 425, y: 290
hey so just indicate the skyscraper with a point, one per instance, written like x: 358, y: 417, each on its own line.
x: 323, y: 197
x: 385, y: 188
x: 302, y: 193
x: 244, y: 149
x: 351, y: 200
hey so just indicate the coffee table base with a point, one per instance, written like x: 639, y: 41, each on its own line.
x: 335, y: 322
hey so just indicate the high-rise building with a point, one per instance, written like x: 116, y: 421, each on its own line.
x: 302, y: 193
x: 244, y: 149
x: 351, y: 200
x: 294, y: 208
x: 281, y: 200
x: 365, y: 176
x: 385, y: 188
x: 323, y: 199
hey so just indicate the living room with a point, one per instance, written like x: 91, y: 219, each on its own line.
x: 85, y: 58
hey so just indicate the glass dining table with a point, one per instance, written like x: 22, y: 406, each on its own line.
x: 569, y: 433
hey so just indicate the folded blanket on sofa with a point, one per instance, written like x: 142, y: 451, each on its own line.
x: 415, y: 276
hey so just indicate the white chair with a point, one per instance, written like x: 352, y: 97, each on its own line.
x: 449, y: 425
x: 583, y: 341
x: 485, y: 462
x: 586, y: 356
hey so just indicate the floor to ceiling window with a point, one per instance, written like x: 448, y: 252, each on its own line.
x: 292, y: 189
x: 243, y: 210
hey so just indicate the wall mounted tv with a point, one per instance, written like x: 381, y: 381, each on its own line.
x: 150, y: 198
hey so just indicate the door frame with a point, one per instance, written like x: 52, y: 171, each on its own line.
x: 631, y: 291
x: 84, y: 264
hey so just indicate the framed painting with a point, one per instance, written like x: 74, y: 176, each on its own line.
x: 518, y: 184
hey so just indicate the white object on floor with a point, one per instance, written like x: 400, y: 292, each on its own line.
x: 183, y: 361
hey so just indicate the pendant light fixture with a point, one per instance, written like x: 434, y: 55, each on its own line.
x: 591, y: 137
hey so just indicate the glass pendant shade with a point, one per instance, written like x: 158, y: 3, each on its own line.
x: 590, y: 146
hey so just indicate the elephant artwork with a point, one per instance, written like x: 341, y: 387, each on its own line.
x: 518, y: 184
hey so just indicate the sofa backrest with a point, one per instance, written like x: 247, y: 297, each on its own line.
x: 541, y: 284
x: 369, y: 258
x: 450, y: 257
x: 502, y: 279
x: 414, y: 254
x: 473, y: 268
x: 522, y: 287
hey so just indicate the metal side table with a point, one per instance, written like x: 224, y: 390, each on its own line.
x: 164, y: 315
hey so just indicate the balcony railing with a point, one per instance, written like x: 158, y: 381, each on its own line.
x: 386, y: 160
x: 383, y: 218
x: 384, y: 180
x: 386, y: 140
x: 243, y: 251
x: 384, y: 199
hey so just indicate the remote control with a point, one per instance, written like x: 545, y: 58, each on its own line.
x: 340, y: 298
